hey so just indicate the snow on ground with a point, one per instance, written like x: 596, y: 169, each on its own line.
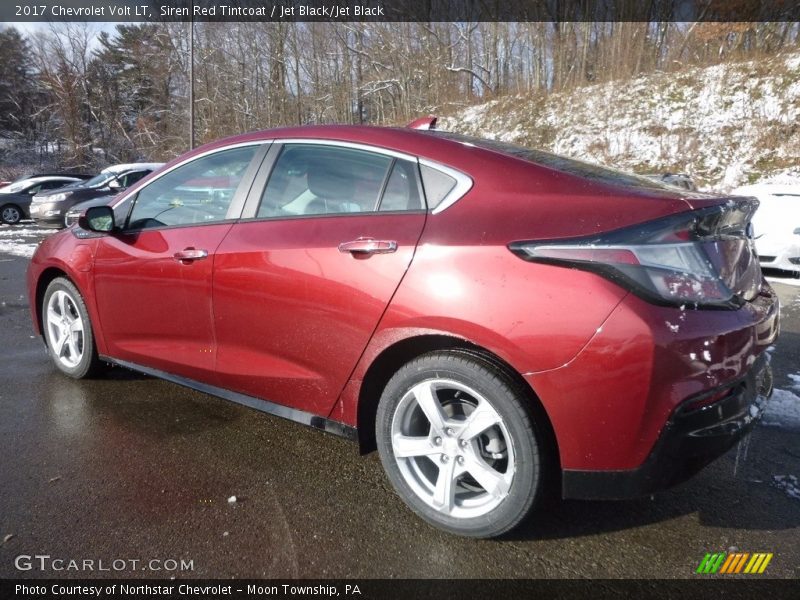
x: 783, y: 410
x: 21, y: 240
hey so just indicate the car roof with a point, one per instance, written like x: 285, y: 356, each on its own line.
x: 41, y: 178
x: 23, y: 183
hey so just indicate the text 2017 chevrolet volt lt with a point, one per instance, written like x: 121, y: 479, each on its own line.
x: 498, y: 322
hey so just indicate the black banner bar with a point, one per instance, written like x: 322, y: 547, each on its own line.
x: 404, y: 589
x: 398, y: 10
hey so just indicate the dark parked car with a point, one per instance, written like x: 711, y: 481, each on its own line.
x: 48, y: 209
x: 499, y: 322
x: 15, y: 198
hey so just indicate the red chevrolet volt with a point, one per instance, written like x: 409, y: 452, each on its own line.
x: 497, y: 321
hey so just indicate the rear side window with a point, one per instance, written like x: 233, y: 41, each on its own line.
x: 314, y: 179
x: 437, y: 185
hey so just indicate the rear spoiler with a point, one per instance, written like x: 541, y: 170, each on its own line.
x: 425, y: 123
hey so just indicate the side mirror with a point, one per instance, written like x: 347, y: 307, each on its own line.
x: 115, y: 184
x: 97, y: 218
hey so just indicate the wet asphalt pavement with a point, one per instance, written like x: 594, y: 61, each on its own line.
x: 133, y: 468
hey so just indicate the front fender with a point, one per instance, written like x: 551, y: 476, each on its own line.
x: 77, y: 266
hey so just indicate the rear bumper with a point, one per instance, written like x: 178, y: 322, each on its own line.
x: 690, y: 440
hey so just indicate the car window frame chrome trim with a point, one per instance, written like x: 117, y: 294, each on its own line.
x: 351, y: 145
x: 271, y: 150
x: 463, y: 185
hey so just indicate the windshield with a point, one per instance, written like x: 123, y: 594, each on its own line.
x: 74, y: 184
x: 98, y: 180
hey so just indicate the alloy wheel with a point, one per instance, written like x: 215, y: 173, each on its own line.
x: 10, y: 215
x: 452, y: 448
x: 65, y: 328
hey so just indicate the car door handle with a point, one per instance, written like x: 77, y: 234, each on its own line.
x: 368, y: 246
x: 190, y: 254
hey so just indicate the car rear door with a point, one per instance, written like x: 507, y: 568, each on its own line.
x: 302, y: 280
x: 153, y: 276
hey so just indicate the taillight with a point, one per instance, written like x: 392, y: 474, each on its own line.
x: 701, y: 258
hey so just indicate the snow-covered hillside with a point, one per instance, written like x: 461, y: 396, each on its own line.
x: 725, y: 125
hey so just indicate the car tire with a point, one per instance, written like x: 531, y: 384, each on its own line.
x: 10, y: 214
x: 68, y: 331
x: 459, y: 444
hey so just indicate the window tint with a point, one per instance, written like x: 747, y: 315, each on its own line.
x: 402, y: 190
x: 437, y: 185
x: 197, y: 192
x: 311, y: 179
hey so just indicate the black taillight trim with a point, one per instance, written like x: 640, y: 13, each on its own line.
x: 703, y: 225
x: 616, y: 275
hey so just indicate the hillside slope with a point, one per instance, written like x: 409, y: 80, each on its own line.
x: 725, y: 125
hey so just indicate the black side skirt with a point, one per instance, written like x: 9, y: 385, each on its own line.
x: 285, y: 412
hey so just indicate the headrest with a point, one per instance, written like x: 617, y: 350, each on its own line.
x: 326, y: 180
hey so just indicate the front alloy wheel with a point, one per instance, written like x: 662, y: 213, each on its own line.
x: 459, y: 445
x: 67, y: 330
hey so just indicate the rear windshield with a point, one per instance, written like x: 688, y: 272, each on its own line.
x: 560, y: 163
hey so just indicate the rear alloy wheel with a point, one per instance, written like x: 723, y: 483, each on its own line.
x: 458, y: 444
x: 67, y: 330
x: 10, y: 214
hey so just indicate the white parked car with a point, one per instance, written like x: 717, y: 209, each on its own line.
x: 776, y: 226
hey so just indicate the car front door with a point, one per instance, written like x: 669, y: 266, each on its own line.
x: 153, y: 275
x: 302, y: 280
